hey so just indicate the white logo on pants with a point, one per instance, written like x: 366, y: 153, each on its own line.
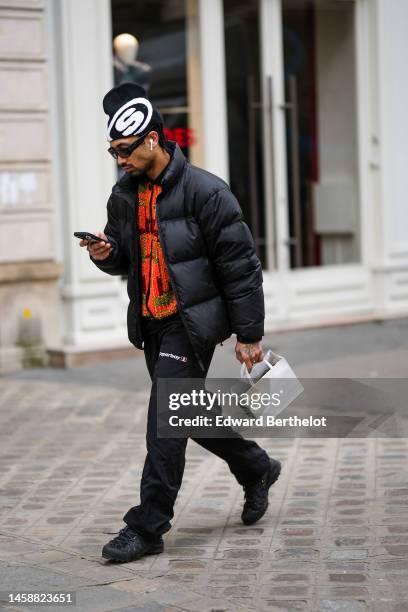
x: 172, y: 356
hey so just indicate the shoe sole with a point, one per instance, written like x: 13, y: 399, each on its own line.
x: 155, y: 551
x: 274, y: 475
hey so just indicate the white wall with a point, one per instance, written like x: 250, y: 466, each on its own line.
x: 393, y: 42
x: 392, y: 250
x: 28, y: 271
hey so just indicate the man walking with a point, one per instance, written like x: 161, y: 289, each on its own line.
x: 178, y: 234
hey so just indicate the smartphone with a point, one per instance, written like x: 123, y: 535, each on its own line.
x: 88, y: 236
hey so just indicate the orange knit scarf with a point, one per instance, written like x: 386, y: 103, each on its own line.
x: 158, y: 298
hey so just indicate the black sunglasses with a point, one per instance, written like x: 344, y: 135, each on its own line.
x: 125, y: 152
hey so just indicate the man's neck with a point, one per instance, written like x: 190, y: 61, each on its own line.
x: 160, y: 163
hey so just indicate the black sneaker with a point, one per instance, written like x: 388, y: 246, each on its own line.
x: 256, y: 495
x: 130, y: 546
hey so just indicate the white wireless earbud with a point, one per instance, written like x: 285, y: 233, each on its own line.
x: 151, y: 143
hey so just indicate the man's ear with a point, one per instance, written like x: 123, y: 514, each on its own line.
x: 153, y: 136
x: 152, y: 140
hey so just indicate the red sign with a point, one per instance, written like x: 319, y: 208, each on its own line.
x: 183, y: 136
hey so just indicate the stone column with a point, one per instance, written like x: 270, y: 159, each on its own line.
x: 214, y: 87
x: 93, y: 311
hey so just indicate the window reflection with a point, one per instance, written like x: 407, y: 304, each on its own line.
x: 157, y: 60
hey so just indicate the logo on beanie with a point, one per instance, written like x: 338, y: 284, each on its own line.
x: 131, y: 119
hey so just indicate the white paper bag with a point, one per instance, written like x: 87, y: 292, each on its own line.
x: 274, y: 376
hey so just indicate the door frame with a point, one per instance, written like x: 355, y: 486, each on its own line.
x: 274, y: 143
x: 324, y: 293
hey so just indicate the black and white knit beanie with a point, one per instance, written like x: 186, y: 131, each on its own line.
x: 130, y: 112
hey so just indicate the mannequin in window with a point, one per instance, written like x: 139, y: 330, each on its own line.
x: 126, y: 66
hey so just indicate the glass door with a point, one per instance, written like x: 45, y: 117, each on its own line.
x: 245, y: 140
x: 291, y: 92
x: 320, y: 117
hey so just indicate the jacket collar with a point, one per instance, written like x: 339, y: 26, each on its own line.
x: 175, y: 167
x: 127, y: 185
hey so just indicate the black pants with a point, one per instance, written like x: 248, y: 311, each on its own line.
x: 164, y: 341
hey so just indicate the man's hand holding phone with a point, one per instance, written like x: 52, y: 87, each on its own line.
x: 98, y: 250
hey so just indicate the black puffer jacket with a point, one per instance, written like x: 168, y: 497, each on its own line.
x: 208, y: 248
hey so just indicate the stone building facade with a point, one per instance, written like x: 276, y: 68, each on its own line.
x: 30, y: 269
x: 300, y: 105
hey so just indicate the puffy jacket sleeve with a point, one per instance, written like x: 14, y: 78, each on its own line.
x: 117, y: 262
x: 238, y: 269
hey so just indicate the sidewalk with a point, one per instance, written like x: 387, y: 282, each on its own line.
x: 335, y: 537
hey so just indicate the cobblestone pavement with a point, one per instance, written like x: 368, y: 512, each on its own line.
x: 335, y: 537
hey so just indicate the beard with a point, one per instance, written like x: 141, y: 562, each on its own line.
x: 135, y: 173
x: 138, y: 172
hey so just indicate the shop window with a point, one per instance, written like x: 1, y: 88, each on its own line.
x: 153, y: 54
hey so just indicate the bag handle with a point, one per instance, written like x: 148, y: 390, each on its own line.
x: 270, y: 359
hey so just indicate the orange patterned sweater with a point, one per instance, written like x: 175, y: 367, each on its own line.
x: 158, y: 298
